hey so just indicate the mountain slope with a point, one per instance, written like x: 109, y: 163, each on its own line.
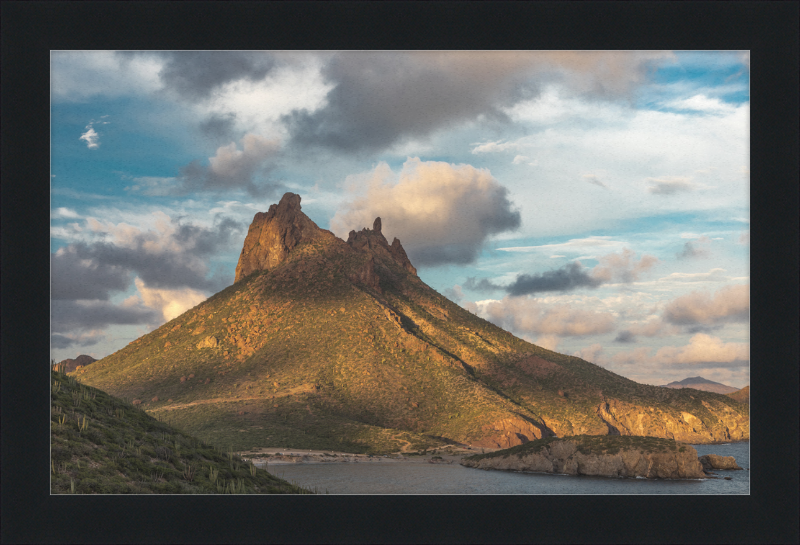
x: 102, y: 445
x: 742, y: 396
x: 700, y: 383
x: 323, y: 343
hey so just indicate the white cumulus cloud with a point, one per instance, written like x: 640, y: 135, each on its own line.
x: 442, y: 213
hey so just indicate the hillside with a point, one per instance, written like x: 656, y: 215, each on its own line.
x: 71, y: 365
x: 322, y: 343
x: 700, y: 383
x: 102, y: 445
x: 742, y: 396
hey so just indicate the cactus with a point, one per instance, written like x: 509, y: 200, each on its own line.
x: 188, y: 472
x: 61, y: 419
x: 82, y: 425
x: 252, y: 469
x: 212, y: 475
x: 71, y: 486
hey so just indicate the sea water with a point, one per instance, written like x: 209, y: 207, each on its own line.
x: 422, y: 478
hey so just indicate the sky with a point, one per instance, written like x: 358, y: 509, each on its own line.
x: 595, y: 203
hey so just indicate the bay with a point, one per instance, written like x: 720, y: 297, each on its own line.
x: 421, y: 478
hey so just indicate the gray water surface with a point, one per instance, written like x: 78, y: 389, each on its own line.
x: 421, y: 478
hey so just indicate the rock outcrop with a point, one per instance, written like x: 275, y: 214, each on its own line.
x: 712, y: 461
x: 566, y: 456
x: 510, y: 432
x: 373, y: 240
x: 629, y: 419
x: 274, y: 234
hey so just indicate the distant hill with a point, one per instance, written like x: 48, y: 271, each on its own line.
x: 103, y: 445
x: 323, y: 343
x: 700, y: 383
x: 81, y: 361
x: 742, y: 396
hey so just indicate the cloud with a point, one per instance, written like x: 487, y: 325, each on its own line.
x: 701, y: 103
x: 442, y: 213
x: 695, y: 249
x: 670, y: 185
x: 569, y: 277
x: 91, y: 137
x: 84, y: 75
x: 592, y: 179
x: 612, y: 267
x: 576, y: 245
x: 173, y: 255
x: 744, y: 239
x: 63, y: 212
x: 622, y: 267
x: 78, y: 316
x: 729, y: 304
x: 520, y: 159
x: 591, y: 353
x: 527, y: 315
x: 550, y: 342
x: 704, y: 348
x: 455, y: 293
x: 714, y: 275
x: 170, y: 303
x: 195, y: 75
x: 74, y: 276
x: 380, y: 98
x: 233, y: 168
x: 625, y: 336
x: 495, y: 147
x: 89, y: 338
x: 218, y: 125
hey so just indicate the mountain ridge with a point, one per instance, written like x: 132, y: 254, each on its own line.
x: 700, y: 383
x: 326, y: 343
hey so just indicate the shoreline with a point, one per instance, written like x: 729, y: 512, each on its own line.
x: 285, y: 456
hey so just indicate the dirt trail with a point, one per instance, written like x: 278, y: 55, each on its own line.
x: 303, y: 388
x: 404, y: 448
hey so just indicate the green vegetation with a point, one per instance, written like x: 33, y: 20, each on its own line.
x: 104, y: 445
x: 591, y: 444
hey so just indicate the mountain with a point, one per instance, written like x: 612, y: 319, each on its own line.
x: 326, y: 343
x: 71, y: 365
x: 742, y: 396
x: 700, y: 383
x: 102, y: 445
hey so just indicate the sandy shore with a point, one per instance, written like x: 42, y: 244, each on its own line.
x: 277, y: 456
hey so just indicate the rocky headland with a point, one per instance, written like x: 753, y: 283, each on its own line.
x: 712, y: 461
x: 608, y: 456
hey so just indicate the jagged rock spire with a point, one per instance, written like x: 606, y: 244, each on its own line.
x: 274, y: 234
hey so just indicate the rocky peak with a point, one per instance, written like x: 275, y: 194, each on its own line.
x: 274, y: 234
x: 374, y: 241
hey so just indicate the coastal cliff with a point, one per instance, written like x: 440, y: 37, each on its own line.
x: 609, y: 456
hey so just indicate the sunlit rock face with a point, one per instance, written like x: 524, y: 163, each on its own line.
x: 274, y: 234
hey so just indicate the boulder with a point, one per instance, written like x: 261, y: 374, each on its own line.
x: 208, y: 342
x: 712, y: 461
